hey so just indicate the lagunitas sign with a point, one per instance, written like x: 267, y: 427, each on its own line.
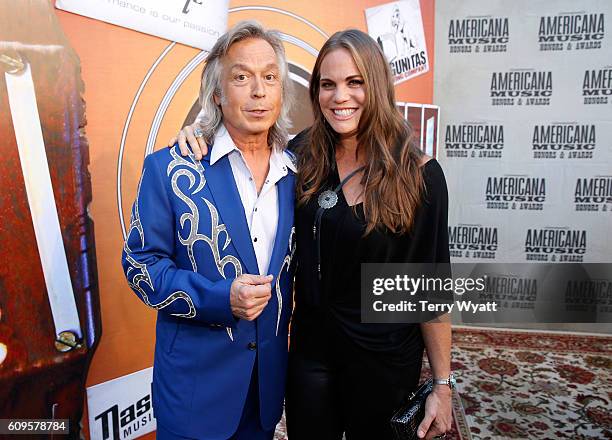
x: 398, y: 29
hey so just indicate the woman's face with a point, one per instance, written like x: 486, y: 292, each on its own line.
x: 341, y: 92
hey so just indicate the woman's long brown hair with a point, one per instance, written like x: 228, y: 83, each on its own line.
x: 393, y: 181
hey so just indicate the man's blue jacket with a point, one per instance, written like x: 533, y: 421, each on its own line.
x: 187, y: 241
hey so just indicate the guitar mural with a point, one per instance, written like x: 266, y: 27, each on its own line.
x: 49, y: 304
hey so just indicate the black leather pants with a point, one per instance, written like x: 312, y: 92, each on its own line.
x: 345, y: 390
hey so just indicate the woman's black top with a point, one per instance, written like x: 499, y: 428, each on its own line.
x: 343, y: 248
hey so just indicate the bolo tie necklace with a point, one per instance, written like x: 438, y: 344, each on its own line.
x: 327, y: 200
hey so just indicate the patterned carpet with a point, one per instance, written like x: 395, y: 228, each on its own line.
x: 534, y: 385
x: 526, y: 385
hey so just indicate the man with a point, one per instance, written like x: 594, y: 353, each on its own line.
x: 399, y: 43
x: 403, y: 38
x: 202, y: 239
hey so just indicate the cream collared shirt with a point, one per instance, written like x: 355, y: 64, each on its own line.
x: 261, y: 211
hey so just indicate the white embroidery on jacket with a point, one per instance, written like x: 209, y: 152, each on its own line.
x: 195, y: 170
x: 142, y: 274
x: 287, y: 261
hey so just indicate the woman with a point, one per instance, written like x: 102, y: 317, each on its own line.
x: 390, y: 206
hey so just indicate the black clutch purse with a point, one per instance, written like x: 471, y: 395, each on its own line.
x: 407, y: 419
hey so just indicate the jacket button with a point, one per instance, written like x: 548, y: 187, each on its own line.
x: 252, y: 346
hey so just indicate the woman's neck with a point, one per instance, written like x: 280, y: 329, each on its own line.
x: 350, y: 154
x: 348, y: 151
x: 349, y: 145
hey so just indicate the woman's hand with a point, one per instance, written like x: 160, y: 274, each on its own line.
x: 186, y: 136
x: 438, y: 413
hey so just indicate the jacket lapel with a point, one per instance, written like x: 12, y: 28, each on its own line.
x: 227, y: 201
x: 286, y: 196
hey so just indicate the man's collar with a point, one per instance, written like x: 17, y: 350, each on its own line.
x: 288, y: 159
x: 224, y: 144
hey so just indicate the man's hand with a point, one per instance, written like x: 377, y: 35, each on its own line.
x: 438, y: 414
x: 186, y: 136
x: 249, y: 295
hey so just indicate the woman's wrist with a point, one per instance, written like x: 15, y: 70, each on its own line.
x: 442, y: 390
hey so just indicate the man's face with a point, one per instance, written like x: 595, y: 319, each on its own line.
x: 251, y: 88
x: 395, y: 18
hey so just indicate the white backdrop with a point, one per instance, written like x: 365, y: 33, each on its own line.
x: 525, y: 90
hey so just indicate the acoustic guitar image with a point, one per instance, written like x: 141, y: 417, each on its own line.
x: 49, y: 304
